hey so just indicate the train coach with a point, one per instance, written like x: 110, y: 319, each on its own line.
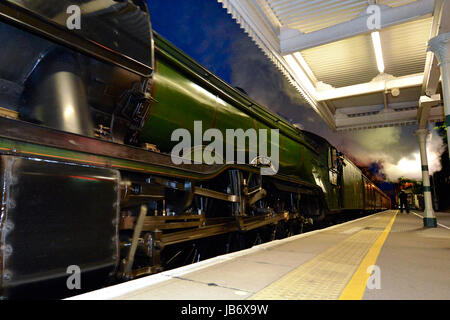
x: 88, y: 181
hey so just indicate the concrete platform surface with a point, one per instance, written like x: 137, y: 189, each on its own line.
x: 384, y: 256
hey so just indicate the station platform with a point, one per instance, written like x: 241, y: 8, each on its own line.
x: 385, y: 256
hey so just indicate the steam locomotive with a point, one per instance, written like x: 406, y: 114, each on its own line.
x: 87, y: 178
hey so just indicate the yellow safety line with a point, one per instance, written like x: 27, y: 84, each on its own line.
x: 357, y: 285
x: 326, y: 275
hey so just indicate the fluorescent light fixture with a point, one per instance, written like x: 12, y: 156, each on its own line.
x: 307, y: 70
x: 299, y: 73
x: 378, y: 51
x: 301, y: 81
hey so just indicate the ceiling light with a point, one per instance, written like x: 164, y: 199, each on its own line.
x: 299, y: 73
x: 378, y: 51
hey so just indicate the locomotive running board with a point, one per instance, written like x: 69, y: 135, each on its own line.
x: 23, y: 138
x: 31, y: 133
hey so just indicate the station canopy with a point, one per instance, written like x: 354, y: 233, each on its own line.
x: 359, y: 64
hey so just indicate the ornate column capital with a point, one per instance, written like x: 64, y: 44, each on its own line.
x: 440, y: 46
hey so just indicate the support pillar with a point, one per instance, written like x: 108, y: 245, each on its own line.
x: 440, y: 46
x: 429, y: 219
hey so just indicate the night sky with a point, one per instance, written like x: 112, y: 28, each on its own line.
x: 201, y: 28
x: 204, y: 30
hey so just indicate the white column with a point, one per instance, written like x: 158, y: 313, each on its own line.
x: 440, y: 46
x: 429, y: 219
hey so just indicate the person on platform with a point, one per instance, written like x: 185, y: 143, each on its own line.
x: 340, y: 162
x: 403, y: 201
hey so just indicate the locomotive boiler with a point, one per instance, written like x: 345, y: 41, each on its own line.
x: 88, y: 179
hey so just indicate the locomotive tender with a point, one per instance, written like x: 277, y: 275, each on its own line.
x: 87, y: 180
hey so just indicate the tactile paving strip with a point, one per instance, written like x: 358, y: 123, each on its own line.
x: 325, y: 276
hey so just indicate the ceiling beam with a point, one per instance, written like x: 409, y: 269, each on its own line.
x: 425, y: 105
x: 294, y: 41
x: 369, y: 109
x: 432, y: 76
x: 415, y: 80
x: 385, y: 119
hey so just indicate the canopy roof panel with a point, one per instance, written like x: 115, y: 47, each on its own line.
x: 354, y: 56
x: 337, y: 63
x: 309, y: 16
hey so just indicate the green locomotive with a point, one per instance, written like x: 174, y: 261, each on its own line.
x: 89, y: 99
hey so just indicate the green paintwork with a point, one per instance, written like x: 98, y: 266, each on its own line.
x: 430, y: 222
x: 182, y: 98
x: 353, y: 187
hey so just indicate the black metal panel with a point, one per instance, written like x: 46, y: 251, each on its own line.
x: 56, y: 215
x: 119, y: 34
x: 120, y: 26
